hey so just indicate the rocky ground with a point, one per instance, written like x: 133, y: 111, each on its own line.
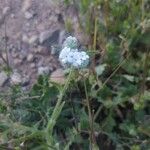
x: 31, y: 28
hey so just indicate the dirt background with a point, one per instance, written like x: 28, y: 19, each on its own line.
x: 29, y: 29
x: 32, y: 32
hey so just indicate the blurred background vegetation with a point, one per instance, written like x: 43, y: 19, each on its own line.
x: 107, y: 106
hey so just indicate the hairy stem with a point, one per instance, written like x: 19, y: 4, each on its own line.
x: 90, y: 118
x: 56, y: 113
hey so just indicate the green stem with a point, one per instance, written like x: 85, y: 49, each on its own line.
x: 142, y: 10
x: 56, y: 113
x: 144, y: 76
x: 95, y: 34
x: 90, y: 118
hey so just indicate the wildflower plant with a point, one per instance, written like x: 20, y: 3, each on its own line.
x: 70, y: 57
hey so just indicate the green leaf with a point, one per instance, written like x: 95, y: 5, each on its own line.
x: 129, y: 77
x: 109, y: 123
x: 100, y: 69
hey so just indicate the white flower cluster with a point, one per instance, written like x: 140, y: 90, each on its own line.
x: 70, y: 56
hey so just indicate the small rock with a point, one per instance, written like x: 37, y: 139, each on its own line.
x: 32, y: 65
x: 53, y: 18
x: 16, y: 78
x: 25, y: 38
x: 4, y: 55
x: 50, y: 36
x: 28, y: 15
x: 26, y: 5
x: 37, y: 50
x: 30, y: 58
x: 14, y: 54
x: 22, y: 56
x: 44, y: 36
x: 17, y: 61
x: 25, y: 81
x: 43, y: 70
x: 12, y: 15
x: 27, y: 25
x: 33, y: 39
x: 58, y: 76
x: 6, y: 10
x: 41, y: 50
x: 40, y: 62
x: 3, y: 78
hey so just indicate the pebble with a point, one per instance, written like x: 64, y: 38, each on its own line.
x: 4, y: 55
x: 12, y: 15
x: 58, y: 76
x: 41, y: 50
x: 33, y: 39
x: 14, y: 54
x: 40, y: 62
x: 37, y: 50
x: 22, y: 56
x: 25, y: 38
x: 26, y: 5
x: 43, y: 70
x: 30, y: 58
x: 6, y: 10
x: 3, y: 78
x: 25, y: 81
x: 28, y: 15
x: 49, y: 35
x: 17, y: 61
x: 16, y: 78
x: 44, y: 36
x: 32, y: 65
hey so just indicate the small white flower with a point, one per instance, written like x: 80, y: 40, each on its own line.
x: 64, y: 53
x: 84, y: 56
